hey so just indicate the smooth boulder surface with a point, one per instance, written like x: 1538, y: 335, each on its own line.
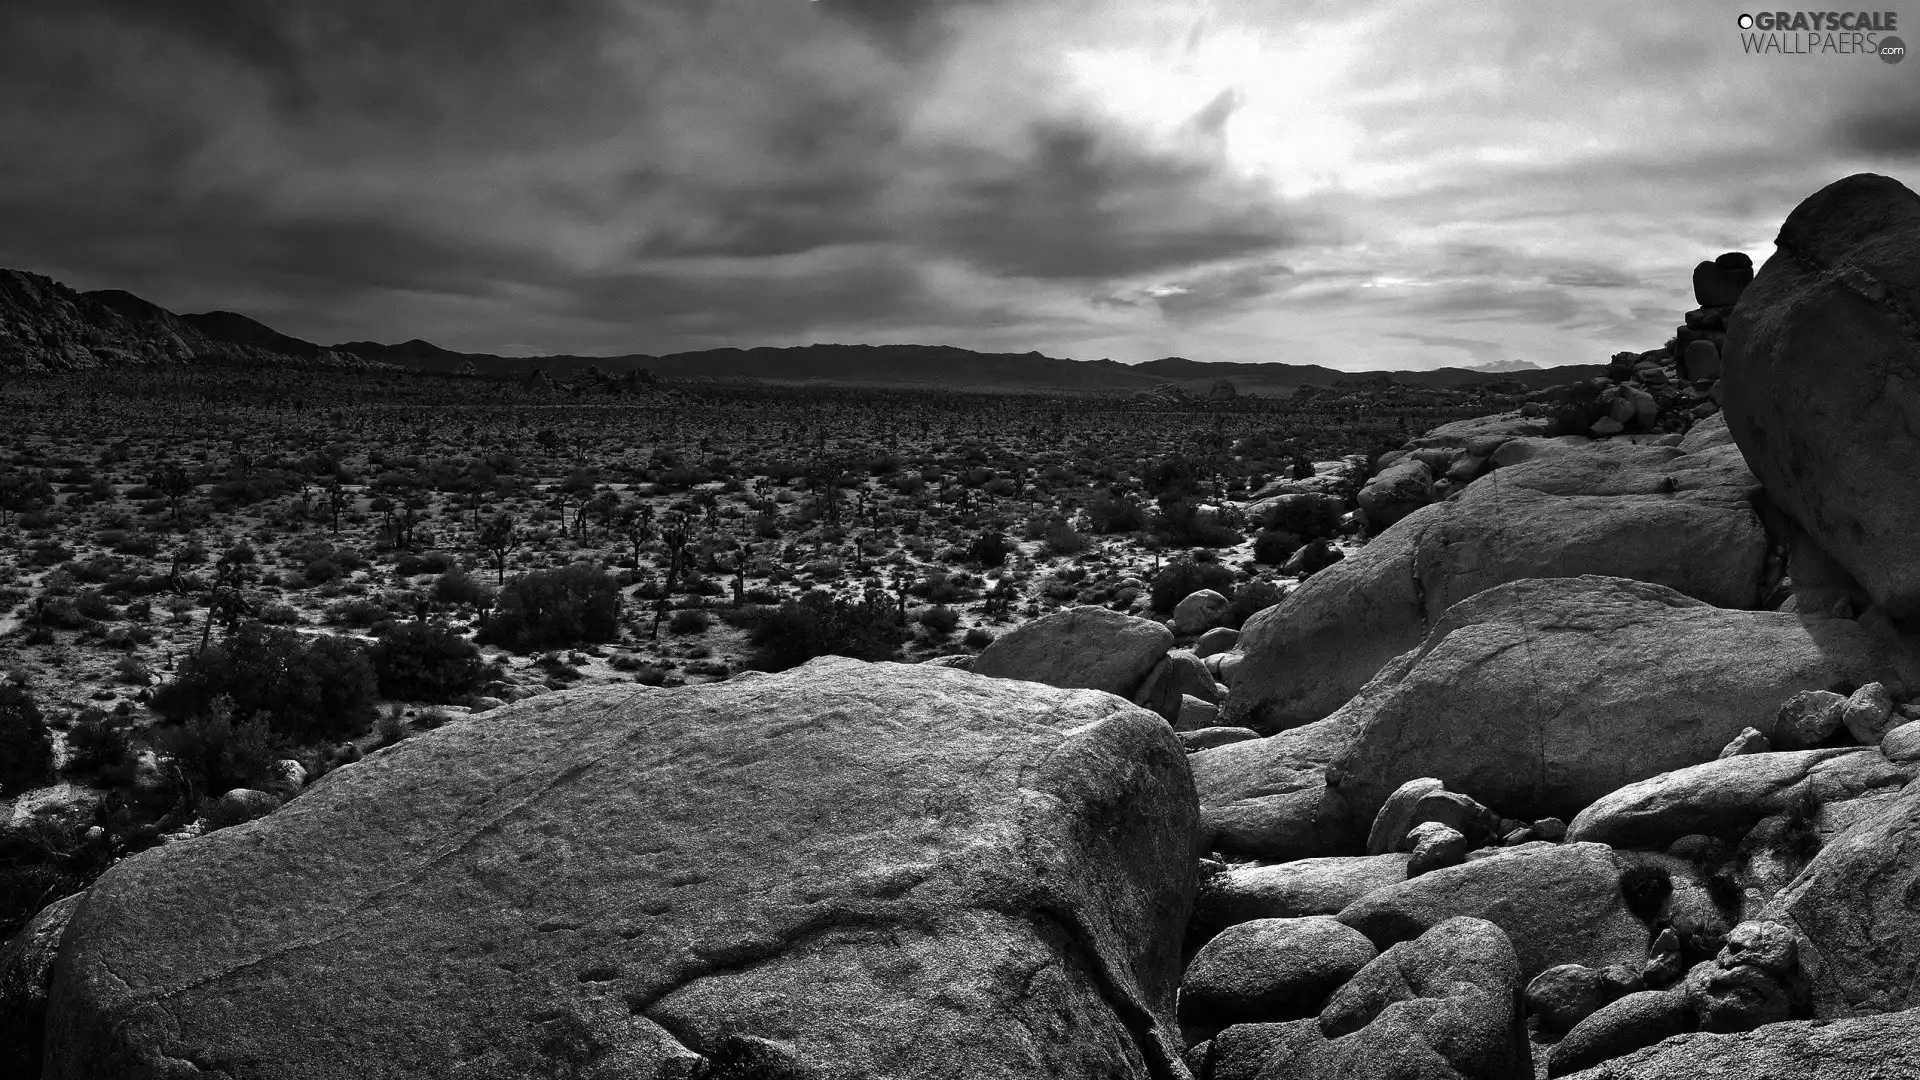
x: 1822, y: 380
x: 1087, y: 647
x: 1675, y: 516
x: 843, y: 869
x: 1857, y: 909
x: 1539, y: 697
x: 1199, y: 611
x: 1631, y: 1023
x: 1291, y: 890
x: 1269, y: 799
x: 1558, y: 904
x: 1726, y: 797
x: 1270, y: 970
x: 1885, y: 1047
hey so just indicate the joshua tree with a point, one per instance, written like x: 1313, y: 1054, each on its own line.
x: 673, y: 533
x: 499, y: 537
x: 636, y: 524
x: 336, y: 502
x: 171, y: 480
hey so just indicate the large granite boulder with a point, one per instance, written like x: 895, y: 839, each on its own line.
x: 1558, y: 904
x: 1867, y: 1048
x: 1635, y: 1021
x: 1087, y: 647
x: 846, y: 869
x: 1822, y: 380
x: 1538, y: 697
x: 1854, y: 907
x: 1726, y: 797
x: 1678, y: 516
x: 1270, y: 970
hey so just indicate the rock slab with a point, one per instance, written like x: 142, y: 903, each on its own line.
x: 846, y: 869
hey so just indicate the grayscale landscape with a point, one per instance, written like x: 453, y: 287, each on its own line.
x: 842, y: 539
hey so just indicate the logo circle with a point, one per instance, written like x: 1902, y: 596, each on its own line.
x: 1746, y: 22
x: 1892, y: 50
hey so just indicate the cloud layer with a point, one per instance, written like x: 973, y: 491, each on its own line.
x: 1363, y: 185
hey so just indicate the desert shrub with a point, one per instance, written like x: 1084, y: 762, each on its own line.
x: 990, y: 548
x: 279, y: 613
x: 1250, y: 597
x: 555, y: 607
x: 419, y: 661
x: 320, y: 571
x: 820, y: 624
x: 1645, y: 889
x: 305, y: 687
x: 131, y: 671
x: 456, y: 586
x: 1062, y: 538
x: 689, y: 621
x: 360, y: 613
x: 1182, y: 577
x: 99, y: 744
x: 391, y: 726
x: 426, y: 562
x: 939, y: 620
x: 216, y: 755
x: 1274, y: 548
x: 1181, y: 523
x: 91, y: 605
x: 26, y: 748
x: 978, y: 637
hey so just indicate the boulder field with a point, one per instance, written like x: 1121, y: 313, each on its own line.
x: 1595, y: 762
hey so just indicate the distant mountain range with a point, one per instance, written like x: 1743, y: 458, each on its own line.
x: 48, y: 327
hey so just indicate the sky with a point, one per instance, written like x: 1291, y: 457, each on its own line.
x: 1363, y: 184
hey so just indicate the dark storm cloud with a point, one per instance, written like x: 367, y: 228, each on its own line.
x: 1077, y: 204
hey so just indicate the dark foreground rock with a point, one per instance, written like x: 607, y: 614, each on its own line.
x: 1822, y: 382
x: 842, y: 870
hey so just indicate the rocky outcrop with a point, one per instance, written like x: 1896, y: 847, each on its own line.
x: 1726, y: 797
x: 1269, y: 798
x: 1853, y: 906
x: 1444, y: 1007
x: 1084, y: 647
x: 844, y: 869
x: 46, y: 326
x: 1291, y: 890
x: 1678, y: 516
x: 1558, y: 904
x: 26, y: 971
x: 1822, y: 380
x: 1539, y: 697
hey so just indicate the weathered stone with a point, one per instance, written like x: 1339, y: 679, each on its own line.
x: 1207, y: 738
x: 1564, y: 995
x: 1868, y: 1048
x: 1516, y: 698
x: 1198, y: 611
x: 1822, y: 383
x: 1195, y: 714
x: 1080, y: 648
x: 838, y: 869
x: 1291, y: 890
x: 1853, y: 907
x: 1558, y: 904
x: 1435, y: 847
x: 1902, y: 744
x: 1631, y: 1023
x: 1807, y: 719
x: 1269, y: 798
x: 26, y: 971
x: 1609, y: 508
x: 1395, y: 819
x: 1868, y: 714
x: 1404, y: 487
x: 1270, y: 970
x: 1736, y: 997
x: 1700, y: 361
x: 1220, y: 639
x: 242, y: 805
x: 1726, y: 797
x: 1749, y: 741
